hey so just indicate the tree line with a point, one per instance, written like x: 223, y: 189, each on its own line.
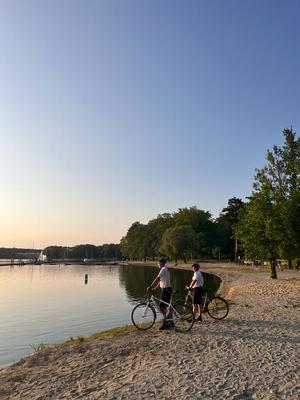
x: 109, y: 251
x: 14, y: 252
x: 186, y: 234
x: 265, y: 227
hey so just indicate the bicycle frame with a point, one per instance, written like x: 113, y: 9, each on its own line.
x: 204, y: 300
x: 156, y: 301
x: 178, y: 315
x: 212, y: 304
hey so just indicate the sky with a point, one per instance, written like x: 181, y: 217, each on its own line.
x: 115, y: 111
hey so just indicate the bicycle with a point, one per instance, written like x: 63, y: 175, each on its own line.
x: 215, y: 306
x: 180, y: 314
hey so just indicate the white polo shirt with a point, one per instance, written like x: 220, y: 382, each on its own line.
x: 164, y: 275
x: 198, y: 277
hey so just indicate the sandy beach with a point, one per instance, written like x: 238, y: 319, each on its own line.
x: 253, y: 354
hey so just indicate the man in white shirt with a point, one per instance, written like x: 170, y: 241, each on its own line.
x: 163, y: 280
x: 197, y: 287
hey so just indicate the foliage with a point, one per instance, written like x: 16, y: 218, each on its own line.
x: 157, y: 227
x: 269, y: 224
x: 10, y: 253
x: 180, y: 242
x: 55, y: 252
x: 83, y: 251
x: 134, y: 244
x: 202, y: 224
x: 142, y: 241
x: 227, y: 220
x: 104, y: 252
x: 150, y: 240
x: 229, y: 215
x: 110, y: 251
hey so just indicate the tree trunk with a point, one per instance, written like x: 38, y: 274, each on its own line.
x: 289, y: 264
x: 273, y: 269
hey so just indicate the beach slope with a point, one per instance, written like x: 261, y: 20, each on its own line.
x: 252, y: 354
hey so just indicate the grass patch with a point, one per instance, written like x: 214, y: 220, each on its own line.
x: 113, y: 332
x: 40, y: 347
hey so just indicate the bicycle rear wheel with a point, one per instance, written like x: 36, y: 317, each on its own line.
x: 143, y: 316
x: 183, y: 317
x: 217, y: 308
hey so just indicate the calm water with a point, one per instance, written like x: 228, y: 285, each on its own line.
x: 50, y: 303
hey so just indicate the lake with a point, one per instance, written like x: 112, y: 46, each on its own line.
x: 51, y: 303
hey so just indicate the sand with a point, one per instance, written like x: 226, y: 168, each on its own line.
x: 253, y: 354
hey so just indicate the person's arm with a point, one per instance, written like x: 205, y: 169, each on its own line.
x: 154, y: 284
x: 192, y: 284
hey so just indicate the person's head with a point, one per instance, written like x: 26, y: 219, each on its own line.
x: 162, y: 262
x: 196, y: 267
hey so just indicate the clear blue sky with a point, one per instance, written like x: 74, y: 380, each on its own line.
x: 116, y: 111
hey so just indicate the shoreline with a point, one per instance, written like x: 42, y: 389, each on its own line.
x: 216, y: 360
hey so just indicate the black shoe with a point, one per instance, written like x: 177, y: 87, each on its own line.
x: 170, y: 325
x: 164, y: 326
x: 198, y: 318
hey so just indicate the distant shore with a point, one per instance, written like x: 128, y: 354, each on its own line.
x: 62, y: 262
x: 252, y: 354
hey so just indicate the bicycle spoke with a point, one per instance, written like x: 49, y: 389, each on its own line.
x: 183, y: 317
x: 217, y: 308
x: 143, y: 316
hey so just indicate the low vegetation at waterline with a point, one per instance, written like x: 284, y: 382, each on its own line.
x: 41, y: 347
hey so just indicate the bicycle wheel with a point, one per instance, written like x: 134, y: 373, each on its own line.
x: 217, y: 308
x: 143, y: 316
x: 183, y: 317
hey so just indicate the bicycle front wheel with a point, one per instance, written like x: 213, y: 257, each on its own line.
x: 143, y: 316
x: 183, y: 317
x: 217, y: 308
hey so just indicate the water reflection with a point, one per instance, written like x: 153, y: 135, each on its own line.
x: 136, y: 279
x: 51, y: 303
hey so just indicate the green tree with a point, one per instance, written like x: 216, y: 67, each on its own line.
x: 55, y: 252
x: 267, y: 226
x: 290, y: 154
x: 83, y: 251
x: 144, y: 240
x: 109, y: 251
x: 180, y: 242
x: 135, y: 244
x: 258, y: 229
x: 157, y: 227
x: 227, y: 220
x: 201, y: 222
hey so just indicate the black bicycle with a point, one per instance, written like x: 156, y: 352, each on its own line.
x: 215, y: 306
